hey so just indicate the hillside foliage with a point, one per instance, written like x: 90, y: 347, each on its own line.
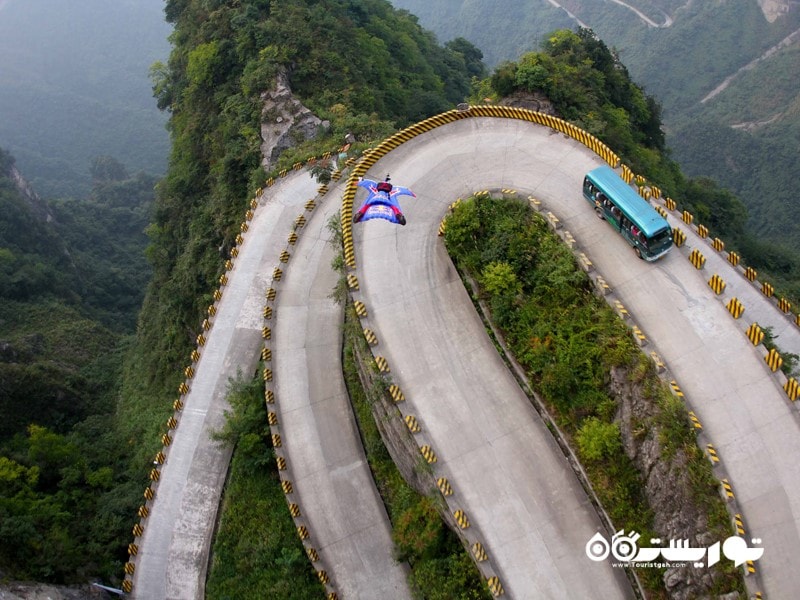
x: 71, y: 279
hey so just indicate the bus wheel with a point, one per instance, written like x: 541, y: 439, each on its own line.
x: 599, y: 212
x: 638, y: 252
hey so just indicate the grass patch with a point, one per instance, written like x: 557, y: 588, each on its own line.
x: 257, y: 553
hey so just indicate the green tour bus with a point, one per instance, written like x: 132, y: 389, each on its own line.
x: 616, y: 202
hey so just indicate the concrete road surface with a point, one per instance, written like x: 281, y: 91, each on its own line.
x: 515, y: 485
x: 173, y: 552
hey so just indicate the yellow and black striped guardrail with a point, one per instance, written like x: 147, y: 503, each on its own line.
x: 444, y: 486
x: 678, y: 237
x: 735, y: 307
x: 726, y: 486
x: 755, y: 334
x: 602, y: 285
x: 717, y: 284
x: 739, y: 524
x: 658, y: 362
x: 370, y: 157
x: 428, y: 454
x: 479, y: 552
x: 360, y: 307
x: 396, y: 394
x: 695, y: 421
x: 773, y: 360
x: 412, y: 424
x: 712, y: 454
x: 495, y: 587
x: 461, y: 519
x: 697, y: 259
x: 792, y: 388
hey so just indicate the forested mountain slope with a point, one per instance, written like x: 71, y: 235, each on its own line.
x: 74, y: 85
x: 745, y: 137
x: 71, y: 279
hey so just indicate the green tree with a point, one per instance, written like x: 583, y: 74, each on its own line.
x: 598, y: 440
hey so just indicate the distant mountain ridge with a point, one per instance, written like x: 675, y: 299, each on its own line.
x: 74, y: 84
x: 726, y: 74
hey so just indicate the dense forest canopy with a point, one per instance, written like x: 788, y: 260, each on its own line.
x: 71, y: 281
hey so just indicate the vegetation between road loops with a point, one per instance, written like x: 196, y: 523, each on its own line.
x: 257, y: 552
x: 570, y: 343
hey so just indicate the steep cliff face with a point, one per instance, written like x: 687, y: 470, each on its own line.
x: 773, y: 9
x: 667, y: 485
x: 37, y: 205
x: 284, y: 121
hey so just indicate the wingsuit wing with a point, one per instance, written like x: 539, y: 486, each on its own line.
x: 378, y: 205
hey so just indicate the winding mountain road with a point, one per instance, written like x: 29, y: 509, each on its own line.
x: 508, y: 476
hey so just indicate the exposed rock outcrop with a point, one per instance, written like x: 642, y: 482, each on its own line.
x: 773, y: 9
x: 530, y: 100
x: 676, y: 515
x: 284, y: 121
x: 42, y: 591
x: 38, y: 206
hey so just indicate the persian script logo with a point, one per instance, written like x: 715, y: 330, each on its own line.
x: 625, y: 549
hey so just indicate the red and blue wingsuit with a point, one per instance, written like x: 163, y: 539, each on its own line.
x: 382, y: 203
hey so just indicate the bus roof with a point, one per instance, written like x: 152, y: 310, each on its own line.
x: 636, y: 208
